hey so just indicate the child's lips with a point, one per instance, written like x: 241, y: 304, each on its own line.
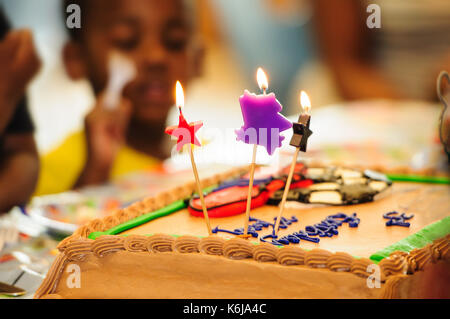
x: 156, y: 91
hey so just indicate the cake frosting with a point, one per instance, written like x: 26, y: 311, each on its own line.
x: 168, y: 254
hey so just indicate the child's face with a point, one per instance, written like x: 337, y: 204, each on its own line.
x: 155, y: 35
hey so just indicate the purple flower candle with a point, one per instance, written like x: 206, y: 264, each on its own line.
x: 262, y: 120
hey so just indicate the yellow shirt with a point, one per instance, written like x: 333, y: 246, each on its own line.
x: 61, y: 167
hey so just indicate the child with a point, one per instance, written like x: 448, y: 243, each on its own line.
x: 19, y: 162
x: 157, y: 37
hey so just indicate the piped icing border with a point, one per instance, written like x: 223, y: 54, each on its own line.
x: 397, y: 264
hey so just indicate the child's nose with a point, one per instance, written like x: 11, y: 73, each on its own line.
x: 153, y: 52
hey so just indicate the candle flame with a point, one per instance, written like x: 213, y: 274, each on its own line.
x: 305, y: 102
x: 179, y: 94
x: 262, y: 80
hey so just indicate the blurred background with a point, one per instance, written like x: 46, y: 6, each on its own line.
x: 323, y: 47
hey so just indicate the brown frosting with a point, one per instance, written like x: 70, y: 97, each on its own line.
x: 398, y: 253
x: 441, y: 248
x: 186, y: 244
x: 135, y: 243
x: 394, y: 265
x: 359, y: 267
x: 317, y: 258
x: 83, y: 231
x: 237, y: 248
x: 182, y: 191
x: 52, y: 277
x: 418, y: 259
x: 165, y: 198
x: 63, y: 244
x: 97, y: 225
x: 77, y: 250
x: 212, y: 245
x: 122, y: 216
x: 340, y: 261
x: 391, y: 288
x: 149, y: 203
x: 110, y: 221
x: 134, y: 210
x: 160, y: 243
x: 265, y: 252
x: 291, y: 256
x: 107, y: 244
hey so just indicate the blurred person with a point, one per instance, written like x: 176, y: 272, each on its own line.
x: 19, y: 162
x: 158, y: 37
x: 399, y: 60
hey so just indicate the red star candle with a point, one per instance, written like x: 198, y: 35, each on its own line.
x: 185, y: 134
x: 262, y: 126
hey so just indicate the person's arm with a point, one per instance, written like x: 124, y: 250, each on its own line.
x: 19, y: 63
x: 19, y: 169
x: 344, y: 40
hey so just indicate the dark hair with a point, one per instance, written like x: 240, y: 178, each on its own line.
x: 4, y: 24
x: 75, y: 34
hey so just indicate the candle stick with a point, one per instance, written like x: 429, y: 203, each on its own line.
x: 262, y: 126
x: 299, y: 140
x: 185, y: 132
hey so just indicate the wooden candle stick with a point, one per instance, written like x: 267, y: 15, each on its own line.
x: 299, y: 140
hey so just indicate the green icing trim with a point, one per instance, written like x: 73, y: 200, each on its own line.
x: 418, y: 240
x: 170, y: 209
x: 419, y: 179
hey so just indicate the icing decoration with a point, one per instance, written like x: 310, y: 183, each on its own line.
x: 262, y: 121
x: 186, y: 244
x: 291, y: 256
x: 237, y: 248
x: 326, y: 228
x: 212, y: 245
x: 317, y: 258
x: 359, y: 267
x: 340, y: 261
x: 257, y: 226
x: 265, y: 252
x: 228, y: 201
x: 135, y: 243
x: 420, y: 239
x: 160, y: 243
x: 170, y: 209
x: 335, y: 186
x: 395, y: 220
x: 394, y: 265
x: 230, y: 198
x: 108, y: 244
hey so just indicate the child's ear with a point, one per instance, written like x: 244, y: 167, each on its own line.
x: 73, y: 61
x: 198, y: 58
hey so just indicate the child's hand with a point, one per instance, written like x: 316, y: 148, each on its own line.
x: 18, y: 65
x: 105, y: 134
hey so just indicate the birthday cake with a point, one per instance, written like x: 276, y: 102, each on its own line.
x: 344, y: 234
